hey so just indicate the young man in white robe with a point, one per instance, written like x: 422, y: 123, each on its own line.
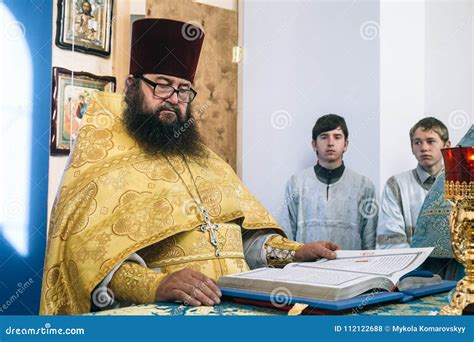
x: 329, y: 200
x: 405, y: 193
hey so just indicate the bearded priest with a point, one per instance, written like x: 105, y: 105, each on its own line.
x: 146, y: 212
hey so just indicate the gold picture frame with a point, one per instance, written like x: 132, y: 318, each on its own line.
x: 85, y: 26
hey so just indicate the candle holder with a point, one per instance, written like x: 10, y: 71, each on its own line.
x: 459, y: 191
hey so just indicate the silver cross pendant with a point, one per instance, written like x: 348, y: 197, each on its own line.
x: 211, y: 228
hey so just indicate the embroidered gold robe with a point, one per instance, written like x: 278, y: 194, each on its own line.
x: 116, y: 200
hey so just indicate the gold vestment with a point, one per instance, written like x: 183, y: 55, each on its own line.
x: 192, y: 249
x: 116, y: 200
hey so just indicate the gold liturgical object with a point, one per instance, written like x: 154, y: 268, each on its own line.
x: 459, y: 190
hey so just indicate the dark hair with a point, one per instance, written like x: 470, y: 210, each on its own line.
x: 329, y: 122
x: 431, y: 124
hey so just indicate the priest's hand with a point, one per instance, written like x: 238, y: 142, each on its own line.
x: 315, y: 250
x: 190, y: 287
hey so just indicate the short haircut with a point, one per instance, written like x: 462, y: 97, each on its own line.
x: 329, y: 122
x: 431, y: 124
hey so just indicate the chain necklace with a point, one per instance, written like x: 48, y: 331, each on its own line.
x: 208, y: 226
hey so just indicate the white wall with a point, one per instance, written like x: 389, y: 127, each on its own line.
x: 402, y: 59
x: 303, y: 60
x: 426, y: 70
x: 448, y: 64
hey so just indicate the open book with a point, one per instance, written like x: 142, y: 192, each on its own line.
x: 351, y: 274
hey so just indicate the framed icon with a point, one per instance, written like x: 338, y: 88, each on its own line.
x: 85, y: 26
x: 72, y: 92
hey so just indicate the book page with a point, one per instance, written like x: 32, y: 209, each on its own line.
x: 391, y: 263
x: 301, y: 276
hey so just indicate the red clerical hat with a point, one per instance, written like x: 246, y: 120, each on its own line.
x: 168, y: 47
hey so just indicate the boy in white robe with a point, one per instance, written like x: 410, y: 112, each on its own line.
x: 329, y: 200
x: 405, y: 193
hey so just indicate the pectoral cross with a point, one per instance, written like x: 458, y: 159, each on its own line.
x: 211, y: 228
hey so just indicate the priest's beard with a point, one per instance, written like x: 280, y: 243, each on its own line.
x: 156, y: 136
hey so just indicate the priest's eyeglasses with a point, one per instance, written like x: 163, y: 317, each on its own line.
x: 164, y: 91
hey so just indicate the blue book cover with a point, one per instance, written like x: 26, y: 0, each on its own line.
x: 364, y: 300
